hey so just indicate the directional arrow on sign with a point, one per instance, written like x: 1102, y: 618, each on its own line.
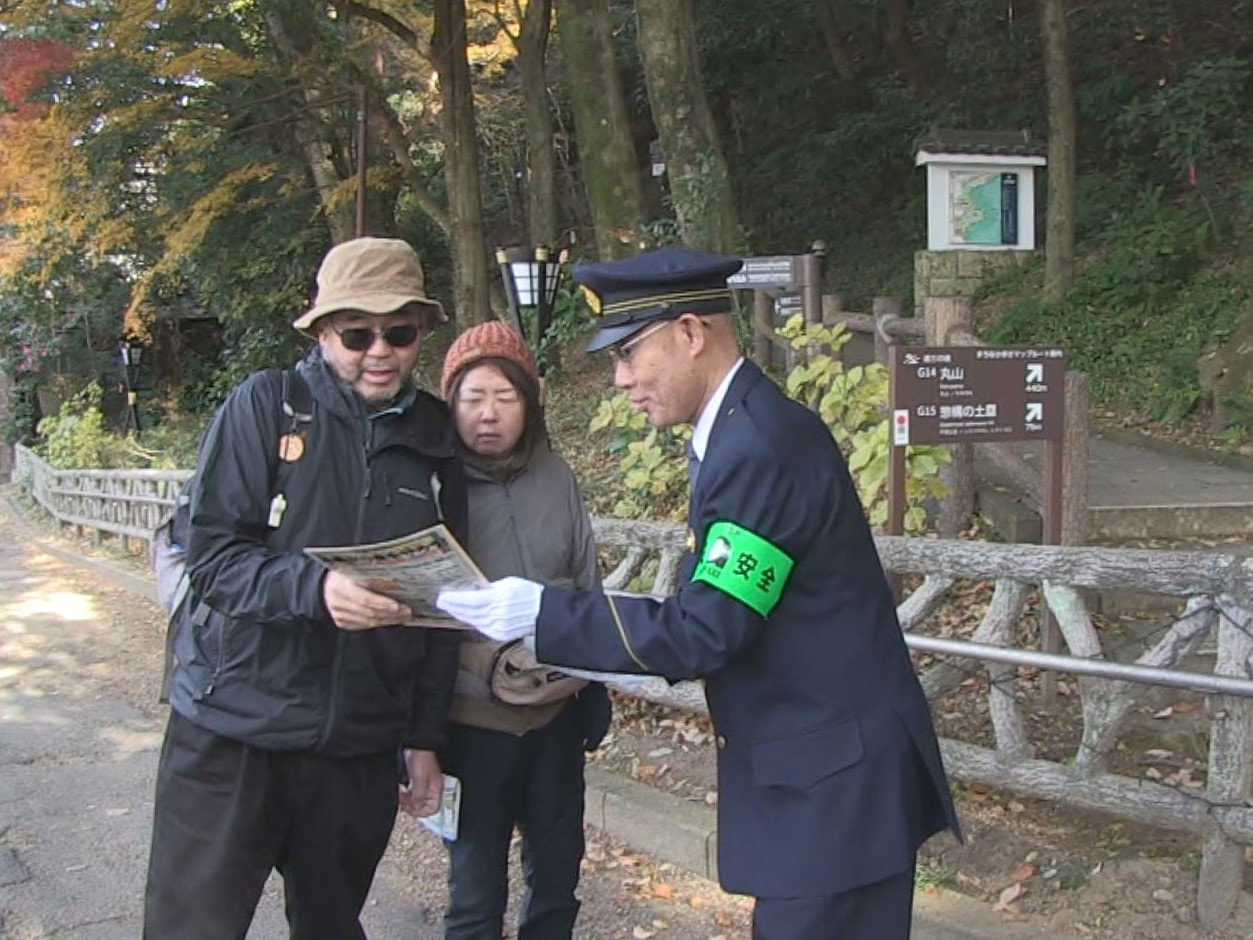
x: 1035, y: 411
x: 1035, y: 373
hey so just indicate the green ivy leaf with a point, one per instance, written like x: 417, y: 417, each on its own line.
x: 922, y: 464
x: 915, y: 519
x: 860, y: 457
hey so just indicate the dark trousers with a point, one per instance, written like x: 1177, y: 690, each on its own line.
x: 226, y: 814
x: 879, y: 911
x: 535, y: 781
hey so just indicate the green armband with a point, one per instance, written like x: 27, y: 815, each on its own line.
x: 744, y: 565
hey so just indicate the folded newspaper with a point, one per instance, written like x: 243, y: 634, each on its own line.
x: 412, y: 569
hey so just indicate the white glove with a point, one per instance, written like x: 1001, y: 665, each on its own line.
x: 503, y: 610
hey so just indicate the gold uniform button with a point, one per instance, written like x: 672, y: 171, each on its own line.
x: 722, y: 742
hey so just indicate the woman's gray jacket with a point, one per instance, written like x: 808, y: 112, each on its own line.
x: 532, y: 524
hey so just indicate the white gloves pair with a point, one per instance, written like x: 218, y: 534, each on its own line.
x: 502, y: 611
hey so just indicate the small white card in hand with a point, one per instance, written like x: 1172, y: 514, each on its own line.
x: 443, y: 822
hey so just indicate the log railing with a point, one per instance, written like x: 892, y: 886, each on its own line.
x: 1215, y: 588
x: 1218, y: 589
x: 126, y: 503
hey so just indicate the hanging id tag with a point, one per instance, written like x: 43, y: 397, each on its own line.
x: 278, y: 506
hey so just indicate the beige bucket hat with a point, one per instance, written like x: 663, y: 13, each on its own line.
x: 377, y: 275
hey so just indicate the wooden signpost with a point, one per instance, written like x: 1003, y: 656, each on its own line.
x: 770, y: 271
x: 782, y: 285
x: 977, y: 395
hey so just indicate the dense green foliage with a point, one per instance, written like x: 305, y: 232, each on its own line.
x: 167, y: 161
x: 77, y: 437
x: 1150, y: 300
x: 1168, y: 275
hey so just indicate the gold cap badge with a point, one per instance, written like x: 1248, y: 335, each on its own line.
x: 591, y: 298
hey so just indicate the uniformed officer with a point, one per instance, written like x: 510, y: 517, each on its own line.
x: 829, y: 774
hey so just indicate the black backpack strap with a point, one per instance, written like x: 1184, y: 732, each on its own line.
x: 297, y: 401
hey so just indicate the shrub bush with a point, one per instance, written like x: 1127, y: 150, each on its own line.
x: 652, y: 462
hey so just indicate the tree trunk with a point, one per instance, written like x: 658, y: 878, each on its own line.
x: 902, y: 46
x: 1059, y: 243
x: 699, y: 184
x: 461, y: 168
x: 338, y: 211
x: 293, y: 47
x: 422, y: 195
x: 610, y: 170
x: 541, y: 182
x: 838, y: 47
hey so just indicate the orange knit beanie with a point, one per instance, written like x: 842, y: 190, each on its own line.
x: 494, y: 339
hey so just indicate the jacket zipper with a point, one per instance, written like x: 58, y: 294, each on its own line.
x: 332, y: 699
x: 523, y: 562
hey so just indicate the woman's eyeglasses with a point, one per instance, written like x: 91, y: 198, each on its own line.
x: 361, y: 338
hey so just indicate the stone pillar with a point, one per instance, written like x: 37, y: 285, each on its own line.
x: 944, y: 284
x: 958, y: 273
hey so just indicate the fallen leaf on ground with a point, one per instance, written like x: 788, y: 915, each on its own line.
x: 1009, y: 896
x: 1022, y: 873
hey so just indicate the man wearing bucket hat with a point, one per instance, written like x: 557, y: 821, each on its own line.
x: 294, y: 690
x: 829, y: 774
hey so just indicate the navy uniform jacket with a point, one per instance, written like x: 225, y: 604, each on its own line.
x: 829, y: 774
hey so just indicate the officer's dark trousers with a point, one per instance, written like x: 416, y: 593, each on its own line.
x: 226, y: 814
x: 879, y: 911
x: 535, y: 781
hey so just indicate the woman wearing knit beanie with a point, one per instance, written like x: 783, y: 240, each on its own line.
x: 519, y: 763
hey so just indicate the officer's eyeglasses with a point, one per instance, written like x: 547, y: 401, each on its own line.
x: 621, y: 354
x: 361, y: 338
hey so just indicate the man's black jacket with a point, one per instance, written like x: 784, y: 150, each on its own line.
x: 268, y: 666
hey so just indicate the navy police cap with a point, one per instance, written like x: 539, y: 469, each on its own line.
x: 657, y: 285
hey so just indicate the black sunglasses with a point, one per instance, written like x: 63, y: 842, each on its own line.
x: 361, y: 338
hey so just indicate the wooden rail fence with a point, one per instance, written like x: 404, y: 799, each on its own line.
x: 1215, y: 590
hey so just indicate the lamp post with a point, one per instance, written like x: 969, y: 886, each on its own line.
x: 132, y: 352
x: 531, y: 279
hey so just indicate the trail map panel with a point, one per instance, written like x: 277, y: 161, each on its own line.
x: 977, y: 394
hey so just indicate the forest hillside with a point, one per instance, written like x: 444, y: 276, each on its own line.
x: 172, y: 173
